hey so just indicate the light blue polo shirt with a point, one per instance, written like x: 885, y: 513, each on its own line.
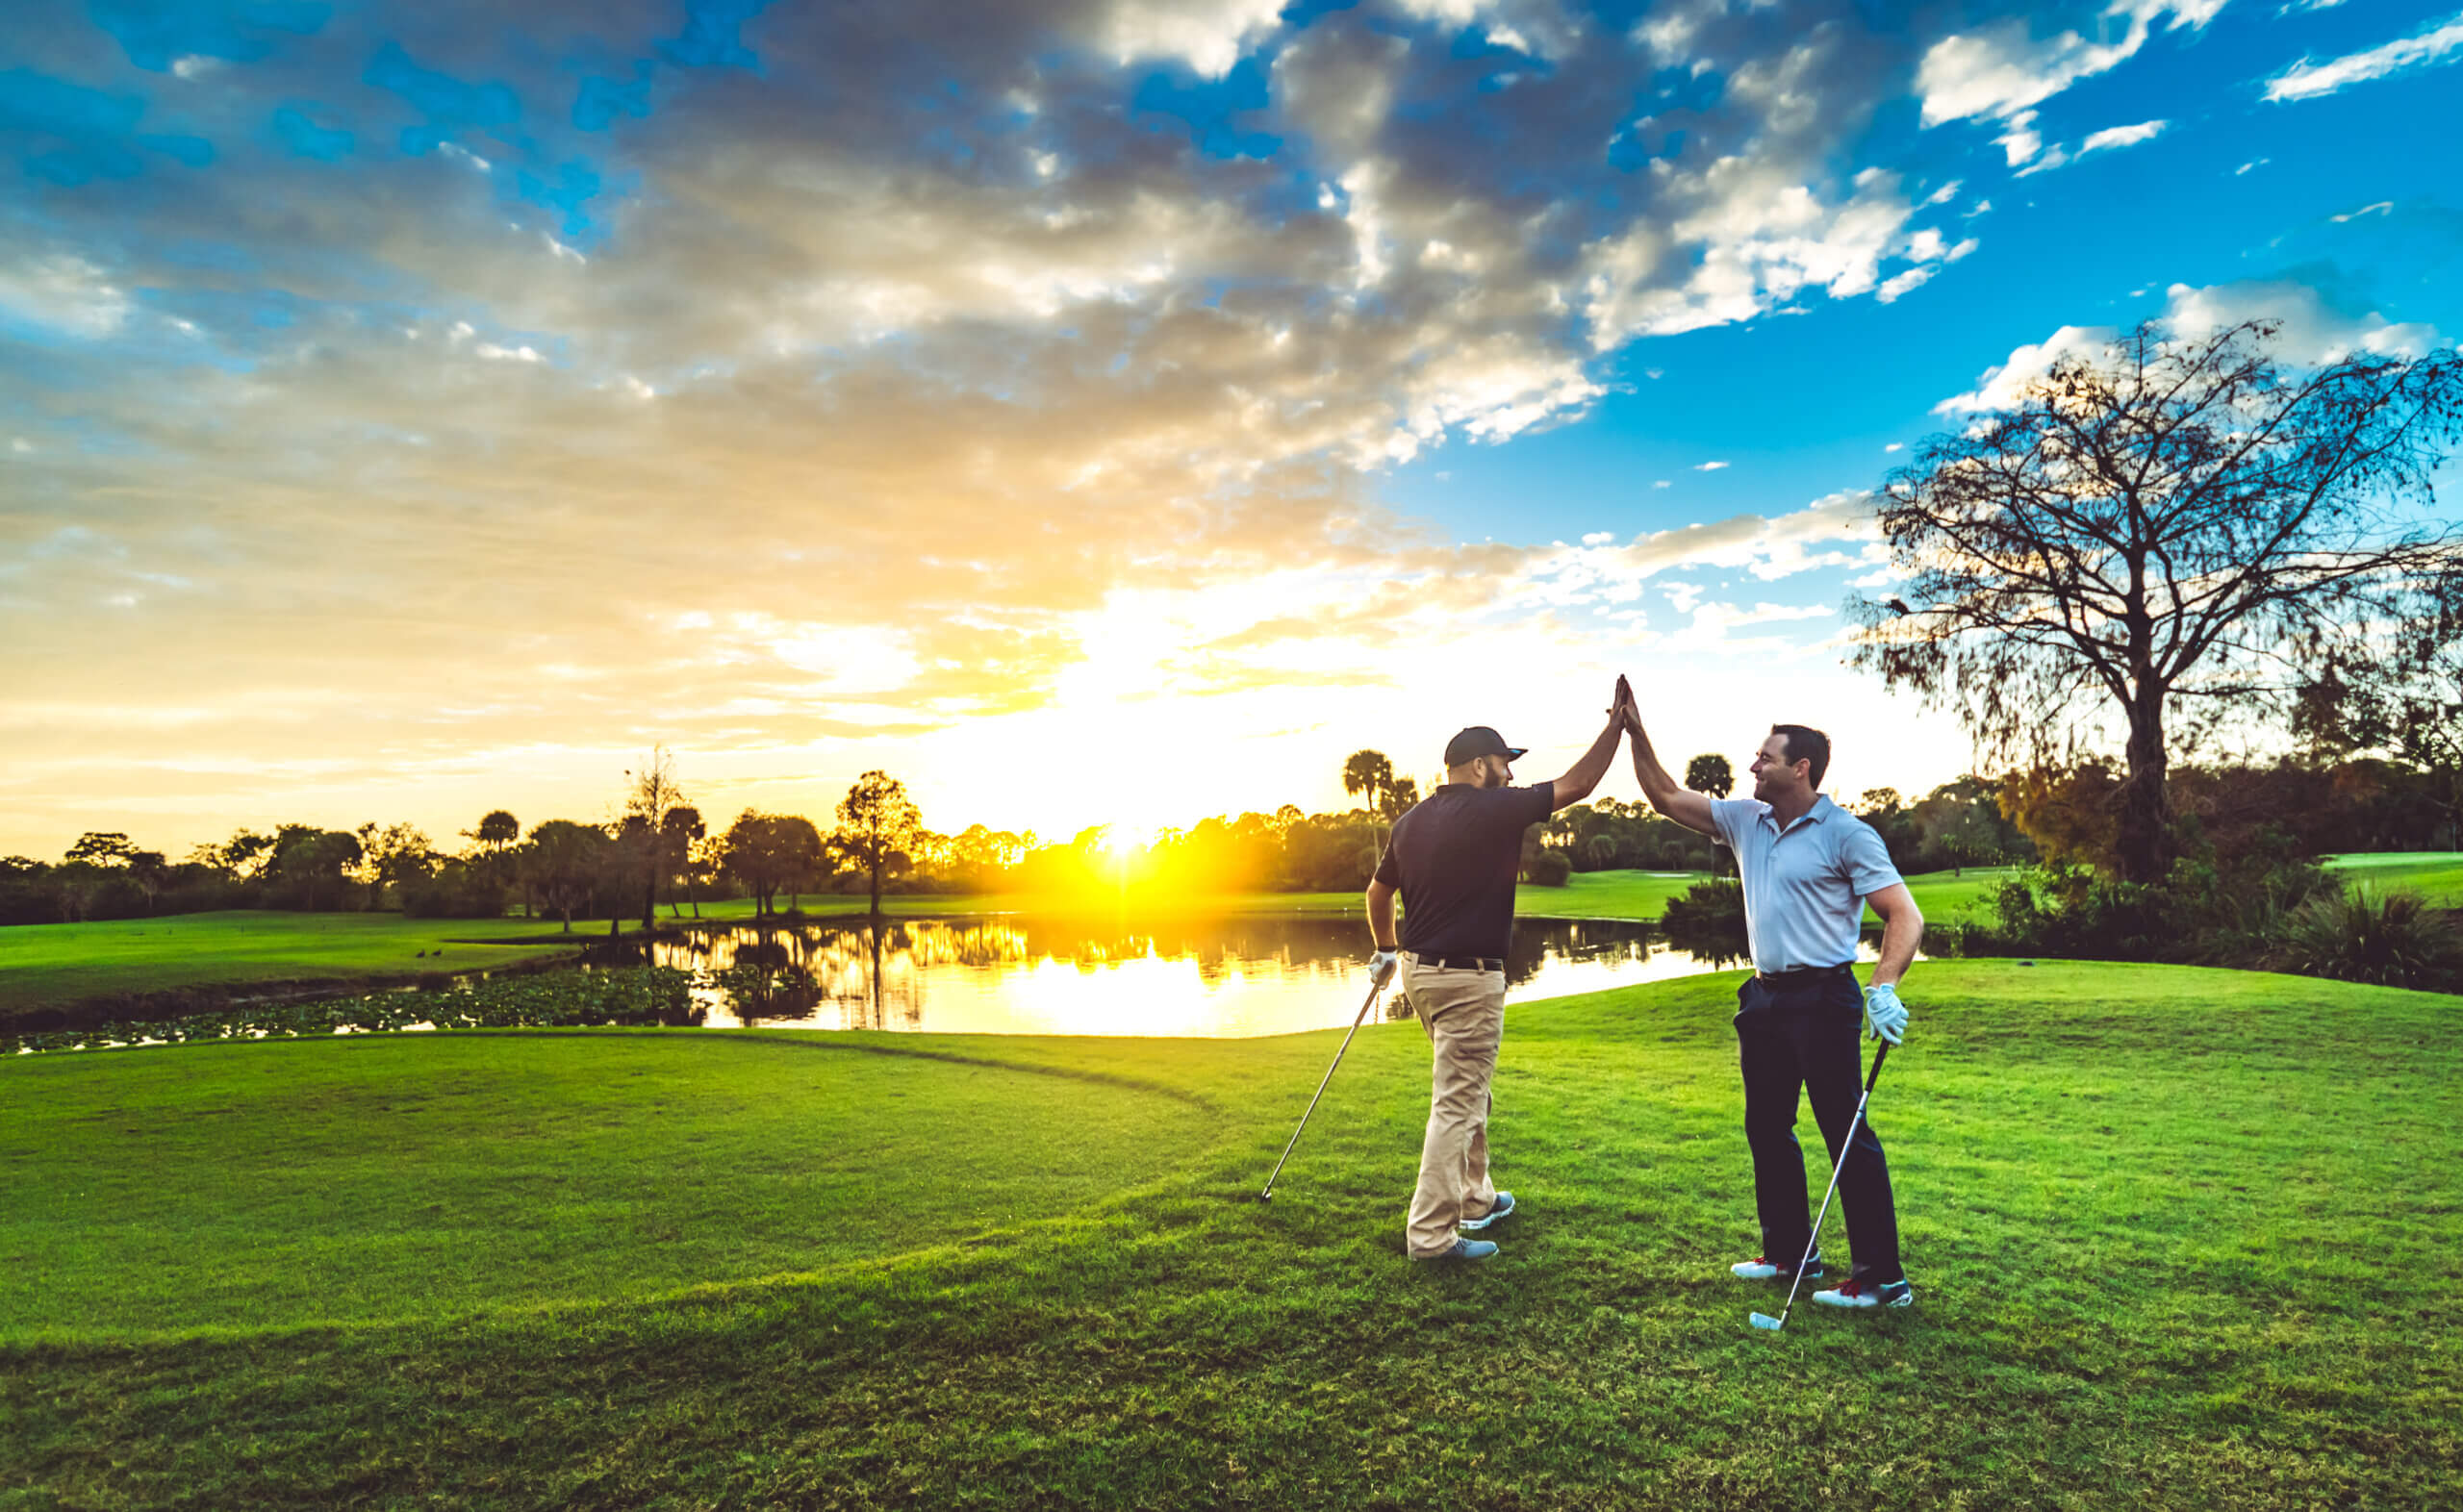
x: 1805, y: 886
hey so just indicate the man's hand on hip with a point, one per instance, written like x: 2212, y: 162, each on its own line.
x: 1884, y: 1014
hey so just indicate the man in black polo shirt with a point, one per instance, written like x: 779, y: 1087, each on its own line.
x: 1454, y: 859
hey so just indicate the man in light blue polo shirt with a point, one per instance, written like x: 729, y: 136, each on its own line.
x: 1809, y: 867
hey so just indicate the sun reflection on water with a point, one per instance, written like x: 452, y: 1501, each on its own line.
x: 1238, y: 976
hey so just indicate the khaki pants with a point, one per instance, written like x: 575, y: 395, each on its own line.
x: 1463, y: 1013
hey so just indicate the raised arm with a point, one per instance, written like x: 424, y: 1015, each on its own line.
x: 1585, y: 775
x: 1687, y: 808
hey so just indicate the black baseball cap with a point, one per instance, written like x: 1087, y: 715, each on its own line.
x: 1477, y: 741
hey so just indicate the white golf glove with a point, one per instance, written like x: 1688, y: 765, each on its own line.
x: 1884, y: 1014
x: 1382, y: 967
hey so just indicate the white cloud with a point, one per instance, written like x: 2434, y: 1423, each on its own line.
x: 464, y: 157
x: 1208, y: 35
x: 2022, y: 140
x: 1769, y: 547
x: 2310, y: 332
x: 2000, y: 387
x: 64, y: 293
x: 1599, y: 537
x: 1713, y: 623
x: 2001, y: 70
x: 2384, y: 207
x: 2111, y: 137
x: 1707, y: 467
x: 1664, y: 483
x: 2056, y: 156
x: 1901, y: 284
x: 2254, y: 162
x: 195, y: 65
x: 1763, y: 238
x: 2306, y: 80
x: 1895, y: 447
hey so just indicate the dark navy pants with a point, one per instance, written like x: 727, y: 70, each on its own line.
x: 1803, y: 1030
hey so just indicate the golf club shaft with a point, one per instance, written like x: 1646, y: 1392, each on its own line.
x: 1374, y: 988
x: 1813, y: 1243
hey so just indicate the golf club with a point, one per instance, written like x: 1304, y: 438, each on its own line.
x: 1376, y: 984
x: 1765, y: 1320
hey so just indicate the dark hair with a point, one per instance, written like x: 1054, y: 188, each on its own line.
x: 1806, y: 743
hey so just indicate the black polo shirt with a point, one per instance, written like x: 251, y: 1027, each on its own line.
x: 1453, y: 857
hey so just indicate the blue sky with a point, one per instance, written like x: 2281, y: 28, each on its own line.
x: 1091, y: 411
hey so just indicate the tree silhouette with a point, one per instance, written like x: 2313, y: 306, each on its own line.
x: 767, y: 853
x: 680, y: 834
x: 2173, y: 531
x: 878, y: 826
x: 103, y: 848
x: 650, y: 792
x: 563, y: 863
x: 1369, y: 773
x: 1712, y: 774
x: 495, y: 836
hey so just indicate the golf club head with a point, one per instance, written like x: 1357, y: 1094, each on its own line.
x: 1766, y: 1321
x: 1267, y: 1196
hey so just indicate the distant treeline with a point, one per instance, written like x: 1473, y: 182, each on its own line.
x: 661, y: 854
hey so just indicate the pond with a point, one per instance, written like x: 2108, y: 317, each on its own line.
x: 1226, y: 977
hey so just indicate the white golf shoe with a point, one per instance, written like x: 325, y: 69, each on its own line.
x: 1761, y: 1267
x: 1868, y: 1294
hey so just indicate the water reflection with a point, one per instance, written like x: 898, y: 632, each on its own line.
x: 1017, y: 976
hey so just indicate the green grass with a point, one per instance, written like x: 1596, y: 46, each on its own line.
x: 2173, y: 1233
x: 48, y: 965
x: 2436, y: 876
x: 43, y: 966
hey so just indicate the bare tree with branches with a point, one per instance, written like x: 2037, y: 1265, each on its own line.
x: 650, y: 793
x: 2176, y: 530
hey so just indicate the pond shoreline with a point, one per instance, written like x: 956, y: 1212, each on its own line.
x: 177, y: 1003
x: 134, y: 1016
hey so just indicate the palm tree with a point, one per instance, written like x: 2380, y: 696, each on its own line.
x: 1368, y: 772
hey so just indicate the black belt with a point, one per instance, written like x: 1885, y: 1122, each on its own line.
x: 1805, y: 974
x: 1463, y: 963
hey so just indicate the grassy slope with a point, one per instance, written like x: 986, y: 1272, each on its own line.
x: 2437, y: 876
x: 2171, y: 1231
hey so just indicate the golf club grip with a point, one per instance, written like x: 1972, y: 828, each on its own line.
x: 1880, y: 1054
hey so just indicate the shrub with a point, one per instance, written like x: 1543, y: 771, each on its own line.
x: 2361, y: 936
x: 1549, y: 869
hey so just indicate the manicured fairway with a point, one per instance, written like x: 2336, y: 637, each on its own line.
x: 44, y: 965
x: 2437, y: 876
x: 2173, y: 1233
